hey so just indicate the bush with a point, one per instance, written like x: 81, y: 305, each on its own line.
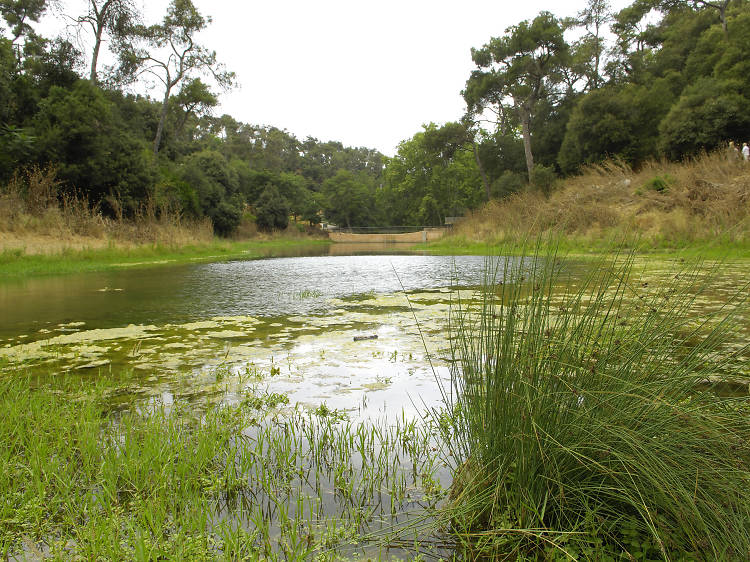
x: 271, y: 210
x: 659, y: 184
x: 507, y: 184
x: 544, y: 179
x: 225, y: 218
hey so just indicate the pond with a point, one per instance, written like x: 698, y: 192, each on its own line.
x: 353, y: 331
x: 334, y: 329
x: 357, y: 340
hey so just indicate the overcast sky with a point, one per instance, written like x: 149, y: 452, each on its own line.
x: 363, y: 73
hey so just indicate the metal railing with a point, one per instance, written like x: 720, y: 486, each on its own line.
x: 385, y: 229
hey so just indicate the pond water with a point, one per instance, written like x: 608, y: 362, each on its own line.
x: 353, y: 331
x: 335, y: 329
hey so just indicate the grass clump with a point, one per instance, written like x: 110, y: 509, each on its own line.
x: 575, y: 423
x: 660, y: 184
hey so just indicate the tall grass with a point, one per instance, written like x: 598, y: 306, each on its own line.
x: 33, y: 204
x: 84, y: 481
x: 706, y: 200
x: 576, y: 426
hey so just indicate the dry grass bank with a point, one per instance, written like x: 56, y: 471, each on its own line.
x: 668, y: 203
x: 38, y: 218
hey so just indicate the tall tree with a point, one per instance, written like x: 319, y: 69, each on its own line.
x: 194, y: 99
x: 117, y: 18
x: 519, y: 68
x: 718, y: 5
x: 18, y: 13
x: 594, y: 18
x: 171, y: 55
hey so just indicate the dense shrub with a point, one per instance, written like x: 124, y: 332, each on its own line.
x: 271, y: 210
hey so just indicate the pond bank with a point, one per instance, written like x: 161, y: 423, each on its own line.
x: 582, y: 247
x: 17, y: 263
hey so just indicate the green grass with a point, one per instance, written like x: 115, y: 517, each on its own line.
x: 575, y: 424
x: 718, y: 248
x: 241, y: 482
x: 17, y: 264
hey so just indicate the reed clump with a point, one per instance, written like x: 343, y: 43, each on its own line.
x: 696, y: 200
x: 576, y: 427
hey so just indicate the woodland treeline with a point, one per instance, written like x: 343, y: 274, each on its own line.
x: 661, y: 78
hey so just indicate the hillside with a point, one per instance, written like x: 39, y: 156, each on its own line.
x: 671, y: 205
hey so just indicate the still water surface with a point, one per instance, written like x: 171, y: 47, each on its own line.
x: 294, y: 322
x: 354, y: 331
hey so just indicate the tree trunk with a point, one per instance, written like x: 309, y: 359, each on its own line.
x: 162, y: 120
x: 525, y: 119
x: 95, y: 56
x: 481, y: 171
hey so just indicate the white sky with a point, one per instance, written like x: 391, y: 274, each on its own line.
x: 366, y: 74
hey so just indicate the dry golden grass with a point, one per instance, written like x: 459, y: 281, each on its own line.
x: 706, y: 197
x: 36, y: 216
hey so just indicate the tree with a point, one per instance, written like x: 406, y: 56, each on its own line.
x: 118, y: 18
x: 79, y: 130
x: 348, y: 199
x: 194, y: 100
x: 615, y: 122
x: 171, y: 55
x: 438, y: 162
x: 707, y: 114
x: 590, y: 48
x: 271, y: 210
x: 18, y: 13
x: 523, y: 66
x: 719, y: 5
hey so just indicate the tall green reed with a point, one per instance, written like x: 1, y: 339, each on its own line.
x: 575, y: 423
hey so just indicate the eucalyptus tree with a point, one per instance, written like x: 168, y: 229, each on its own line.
x: 518, y: 70
x: 169, y: 52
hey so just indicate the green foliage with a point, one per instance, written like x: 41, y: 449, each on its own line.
x: 615, y: 122
x: 271, y: 210
x: 670, y: 78
x: 507, y: 184
x: 523, y: 66
x: 226, y: 217
x: 543, y: 179
x: 81, y: 130
x: 18, y: 13
x: 97, y: 137
x: 431, y: 176
x: 348, y: 199
x: 707, y: 114
x: 429, y: 213
x: 660, y: 184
